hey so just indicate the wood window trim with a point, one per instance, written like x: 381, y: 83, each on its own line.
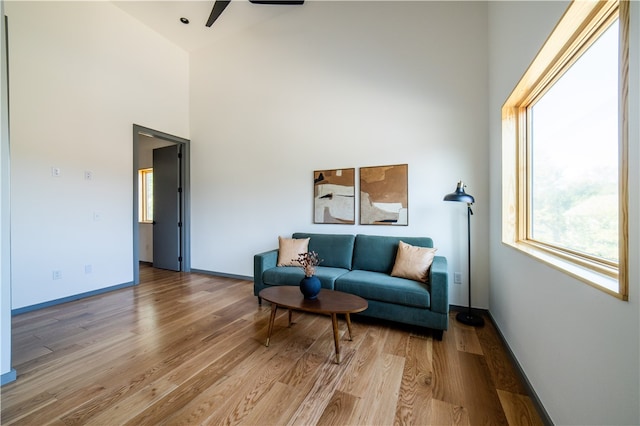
x: 143, y: 195
x: 582, y: 21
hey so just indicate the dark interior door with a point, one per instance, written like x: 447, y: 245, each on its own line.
x: 167, y: 253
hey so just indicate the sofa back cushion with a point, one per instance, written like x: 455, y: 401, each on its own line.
x: 335, y: 249
x: 378, y: 253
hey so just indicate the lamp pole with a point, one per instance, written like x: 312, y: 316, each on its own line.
x: 468, y: 317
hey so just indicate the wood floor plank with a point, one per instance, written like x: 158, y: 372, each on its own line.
x: 247, y: 383
x: 188, y: 348
x: 467, y: 339
x: 51, y: 409
x: 379, y: 405
x: 519, y: 409
x: 31, y: 352
x: 396, y: 343
x: 192, y: 388
x: 481, y: 399
x: 357, y: 381
x: 253, y: 382
x: 275, y: 407
x: 19, y: 411
x: 215, y: 346
x: 504, y: 373
x: 448, y: 381
x: 311, y: 409
x: 142, y: 379
x: 416, y: 389
x: 443, y: 413
x: 339, y: 410
x: 120, y: 405
x: 61, y: 373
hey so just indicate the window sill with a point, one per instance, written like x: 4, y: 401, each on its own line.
x: 601, y: 281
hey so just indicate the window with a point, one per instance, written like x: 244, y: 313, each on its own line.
x: 145, y: 192
x: 565, y: 148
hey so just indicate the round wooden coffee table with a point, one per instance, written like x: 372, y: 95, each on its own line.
x: 328, y: 302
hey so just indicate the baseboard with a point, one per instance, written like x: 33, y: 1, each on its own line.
x: 222, y: 274
x: 8, y: 377
x: 37, y: 306
x: 546, y: 419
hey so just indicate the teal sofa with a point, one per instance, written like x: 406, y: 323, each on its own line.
x: 361, y: 265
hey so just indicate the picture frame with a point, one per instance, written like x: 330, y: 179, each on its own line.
x: 334, y: 196
x: 384, y: 195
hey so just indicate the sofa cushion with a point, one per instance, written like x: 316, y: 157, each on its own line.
x: 292, y: 276
x: 378, y: 253
x: 384, y: 288
x: 336, y: 250
x: 413, y: 262
x: 289, y: 249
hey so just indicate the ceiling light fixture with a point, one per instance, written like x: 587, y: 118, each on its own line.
x: 184, y: 20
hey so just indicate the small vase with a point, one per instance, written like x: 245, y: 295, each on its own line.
x: 310, y: 287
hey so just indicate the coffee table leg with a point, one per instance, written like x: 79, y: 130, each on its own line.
x: 290, y: 312
x: 274, y: 308
x: 348, y: 318
x: 334, y: 320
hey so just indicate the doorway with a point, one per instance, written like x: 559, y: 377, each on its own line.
x: 176, y: 240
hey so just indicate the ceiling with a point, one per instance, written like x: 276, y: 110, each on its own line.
x: 164, y: 18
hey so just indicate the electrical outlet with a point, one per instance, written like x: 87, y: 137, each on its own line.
x: 88, y: 175
x: 56, y: 275
x: 55, y: 171
x: 457, y: 278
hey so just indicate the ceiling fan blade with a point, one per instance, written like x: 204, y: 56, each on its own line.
x: 277, y: 1
x: 218, y: 7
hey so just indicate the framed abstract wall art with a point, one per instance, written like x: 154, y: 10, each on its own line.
x: 334, y: 196
x: 384, y: 195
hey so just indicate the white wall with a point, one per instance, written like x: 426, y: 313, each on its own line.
x: 578, y: 346
x: 5, y: 212
x: 337, y: 85
x: 82, y: 73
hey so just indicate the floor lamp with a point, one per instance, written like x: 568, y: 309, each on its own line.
x: 459, y: 195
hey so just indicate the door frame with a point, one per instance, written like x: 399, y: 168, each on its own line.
x: 185, y: 237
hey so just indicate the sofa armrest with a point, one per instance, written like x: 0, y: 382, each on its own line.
x: 439, y: 282
x: 262, y: 262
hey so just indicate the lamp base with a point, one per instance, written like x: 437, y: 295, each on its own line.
x: 470, y: 318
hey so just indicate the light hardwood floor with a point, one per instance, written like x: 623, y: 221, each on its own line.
x: 187, y: 348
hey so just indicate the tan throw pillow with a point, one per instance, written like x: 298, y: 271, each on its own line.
x: 413, y: 262
x: 289, y: 248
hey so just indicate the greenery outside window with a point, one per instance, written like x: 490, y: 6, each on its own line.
x: 565, y: 149
x: 145, y: 193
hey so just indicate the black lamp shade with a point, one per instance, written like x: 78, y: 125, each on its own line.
x: 459, y: 195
